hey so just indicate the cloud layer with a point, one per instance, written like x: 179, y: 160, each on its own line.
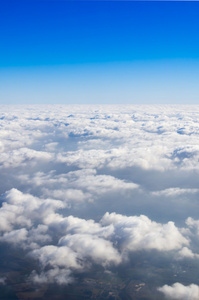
x: 87, y: 186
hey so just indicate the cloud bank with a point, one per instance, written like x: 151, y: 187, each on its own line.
x: 85, y: 187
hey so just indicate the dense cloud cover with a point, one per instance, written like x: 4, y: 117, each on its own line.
x: 87, y: 186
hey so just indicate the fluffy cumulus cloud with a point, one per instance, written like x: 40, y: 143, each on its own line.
x: 187, y: 253
x: 20, y: 209
x: 194, y: 224
x: 180, y: 291
x: 84, y: 243
x: 100, y: 250
x: 23, y: 218
x: 140, y: 232
x: 85, y: 187
x: 56, y: 275
x: 33, y: 223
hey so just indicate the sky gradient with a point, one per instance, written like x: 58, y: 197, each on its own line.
x: 99, y: 52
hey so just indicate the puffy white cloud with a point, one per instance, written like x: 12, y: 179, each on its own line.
x: 63, y: 167
x: 128, y: 233
x: 20, y: 157
x: 68, y: 195
x: 56, y: 275
x: 37, y: 236
x: 15, y: 236
x: 56, y: 257
x: 193, y: 224
x: 76, y: 251
x: 180, y: 291
x: 187, y: 253
x: 23, y: 210
x: 98, y: 249
x: 141, y: 233
x: 84, y: 243
x: 74, y: 225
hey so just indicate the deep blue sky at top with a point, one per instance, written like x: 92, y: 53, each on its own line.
x: 99, y: 51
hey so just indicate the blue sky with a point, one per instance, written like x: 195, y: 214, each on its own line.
x: 99, y: 52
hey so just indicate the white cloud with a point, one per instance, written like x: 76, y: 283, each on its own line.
x: 174, y: 192
x: 56, y: 275
x: 56, y: 257
x: 23, y: 156
x: 84, y: 243
x: 187, y: 253
x: 15, y: 236
x: 74, y: 225
x: 180, y: 291
x: 63, y: 167
x: 98, y: 183
x: 138, y: 233
x: 23, y: 210
x: 77, y: 186
x: 193, y: 224
x: 98, y: 249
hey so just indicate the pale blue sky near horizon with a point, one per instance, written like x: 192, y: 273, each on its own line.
x: 85, y: 52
